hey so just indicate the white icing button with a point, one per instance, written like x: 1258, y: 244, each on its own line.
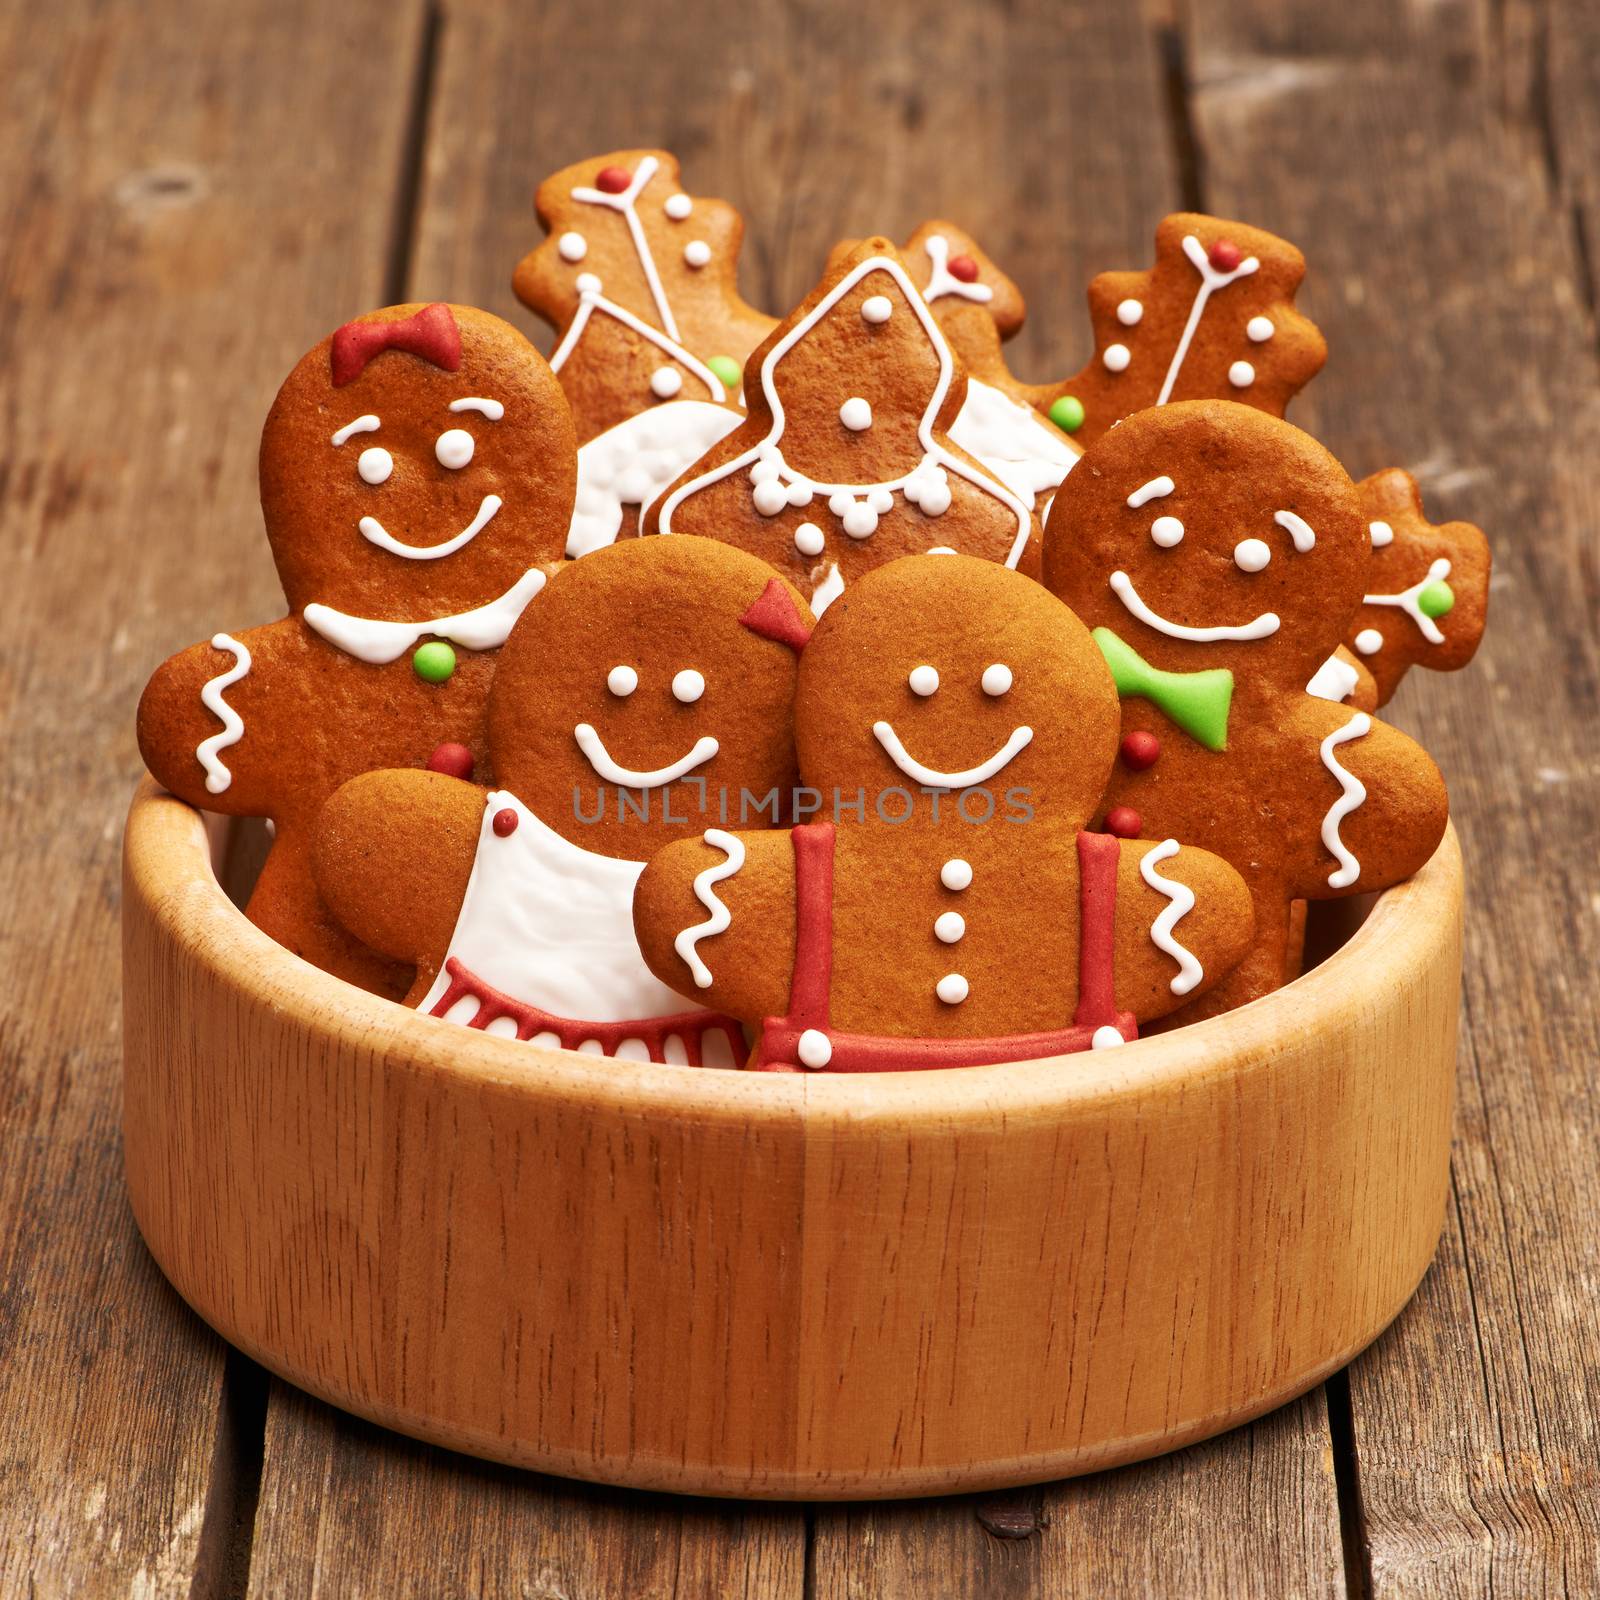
x: 453, y: 447
x: 665, y: 382
x: 1105, y: 1038
x: 1369, y: 641
x: 949, y: 926
x: 877, y: 309
x: 951, y: 988
x: 1241, y: 374
x: 697, y: 252
x: 588, y: 283
x: 860, y: 521
x: 1251, y: 555
x: 1117, y: 357
x: 688, y: 686
x: 923, y: 680
x: 956, y: 873
x: 375, y: 465
x: 996, y: 678
x: 770, y: 497
x: 808, y: 539
x: 1382, y: 534
x: 1259, y: 329
x: 856, y: 414
x: 815, y: 1049
x: 622, y: 681
x: 1129, y: 313
x: 1166, y: 531
x: 573, y: 246
x: 678, y: 206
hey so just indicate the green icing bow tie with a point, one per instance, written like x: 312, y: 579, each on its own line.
x: 1197, y: 701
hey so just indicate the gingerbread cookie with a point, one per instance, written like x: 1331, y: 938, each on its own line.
x: 640, y: 282
x: 948, y: 908
x: 1218, y: 554
x: 646, y: 694
x: 846, y: 461
x: 1428, y: 592
x: 416, y: 481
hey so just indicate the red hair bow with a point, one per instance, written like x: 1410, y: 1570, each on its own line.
x: 431, y: 333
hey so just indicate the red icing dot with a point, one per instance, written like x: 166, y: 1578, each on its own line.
x: 1225, y: 255
x: 454, y: 760
x: 1140, y: 749
x: 612, y: 180
x: 505, y: 822
x: 1124, y: 822
x: 964, y: 268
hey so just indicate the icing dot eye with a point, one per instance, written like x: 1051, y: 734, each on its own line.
x: 1166, y: 531
x: 678, y: 206
x: 665, y: 382
x: 877, y: 309
x: 454, y: 448
x: 622, y: 681
x: 956, y: 873
x: 1381, y: 534
x: 1117, y: 357
x: 856, y: 414
x: 923, y: 680
x: 1241, y: 374
x: 1259, y: 329
x: 997, y: 678
x: 952, y: 988
x: 688, y: 686
x: 1251, y: 555
x: 808, y: 539
x: 697, y: 252
x: 573, y: 246
x: 1129, y: 313
x: 375, y: 465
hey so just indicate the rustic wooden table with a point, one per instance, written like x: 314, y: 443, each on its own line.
x: 193, y: 194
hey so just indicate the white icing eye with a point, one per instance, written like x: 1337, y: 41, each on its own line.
x: 573, y: 246
x: 1166, y: 531
x: 808, y: 539
x: 1117, y: 357
x: 454, y: 448
x: 697, y: 252
x: 1382, y: 534
x: 1259, y: 329
x: 956, y: 873
x: 375, y: 465
x: 1251, y: 555
x: 923, y: 681
x: 688, y: 686
x: 622, y: 681
x: 856, y: 414
x: 996, y: 679
x: 665, y: 382
x: 1129, y: 313
x: 877, y: 309
x: 952, y: 988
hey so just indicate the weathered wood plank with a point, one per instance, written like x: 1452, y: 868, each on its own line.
x: 1449, y: 281
x: 176, y: 220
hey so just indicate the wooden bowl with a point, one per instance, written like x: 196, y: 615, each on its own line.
x: 790, y: 1287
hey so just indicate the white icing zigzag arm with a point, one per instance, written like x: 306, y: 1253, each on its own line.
x: 1353, y: 792
x: 218, y: 777
x: 1190, y: 972
x: 721, y: 918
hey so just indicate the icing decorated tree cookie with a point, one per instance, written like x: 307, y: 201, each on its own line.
x: 948, y: 907
x: 1218, y: 554
x: 639, y: 280
x: 416, y: 483
x: 846, y: 459
x: 1428, y: 591
x: 646, y: 694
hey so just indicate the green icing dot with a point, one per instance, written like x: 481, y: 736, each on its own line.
x: 1067, y: 413
x: 434, y: 662
x: 729, y: 372
x: 1436, y: 599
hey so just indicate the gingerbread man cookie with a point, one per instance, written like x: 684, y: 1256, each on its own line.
x: 949, y: 909
x: 646, y: 693
x: 416, y: 480
x: 639, y: 279
x: 1218, y: 554
x: 1428, y: 592
x: 846, y: 459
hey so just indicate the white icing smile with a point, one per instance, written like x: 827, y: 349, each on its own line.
x: 374, y: 530
x: 932, y: 778
x: 600, y: 759
x: 1262, y: 627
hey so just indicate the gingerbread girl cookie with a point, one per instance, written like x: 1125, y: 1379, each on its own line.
x: 639, y: 279
x: 949, y: 909
x: 647, y: 692
x: 846, y: 461
x: 416, y: 480
x: 1218, y: 554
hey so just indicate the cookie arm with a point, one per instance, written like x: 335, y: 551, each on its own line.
x: 745, y: 950
x: 1183, y: 923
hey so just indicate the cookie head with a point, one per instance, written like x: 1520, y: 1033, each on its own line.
x: 945, y: 672
x: 416, y: 463
x: 646, y: 683
x: 1210, y: 535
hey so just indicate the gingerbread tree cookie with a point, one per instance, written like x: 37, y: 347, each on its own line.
x: 639, y: 279
x: 416, y: 481
x: 845, y: 460
x: 949, y: 909
x: 1219, y: 553
x: 1428, y: 592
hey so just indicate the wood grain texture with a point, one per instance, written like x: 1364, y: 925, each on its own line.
x: 1450, y: 277
x: 174, y: 222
